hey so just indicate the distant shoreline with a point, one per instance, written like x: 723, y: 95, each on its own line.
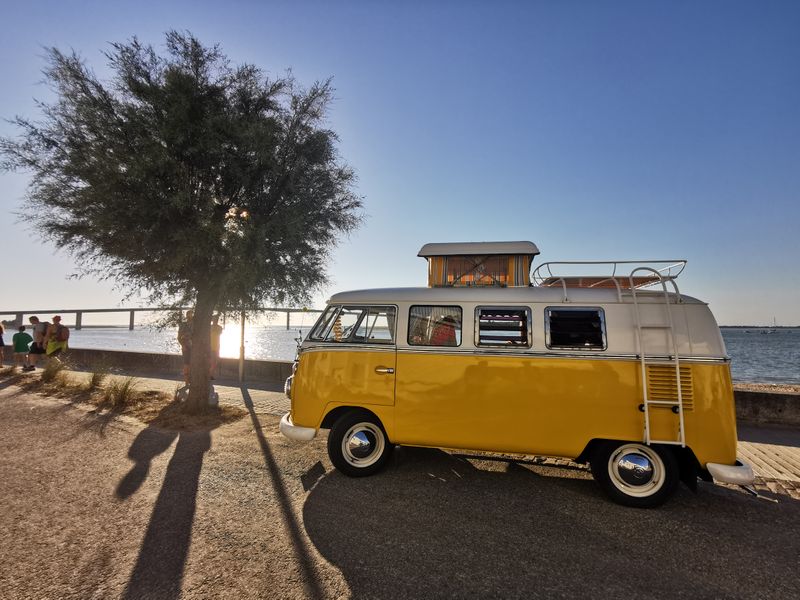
x: 759, y: 326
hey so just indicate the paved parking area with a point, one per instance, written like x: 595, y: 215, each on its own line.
x: 103, y: 509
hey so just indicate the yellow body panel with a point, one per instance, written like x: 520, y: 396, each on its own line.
x: 512, y: 403
x: 326, y: 379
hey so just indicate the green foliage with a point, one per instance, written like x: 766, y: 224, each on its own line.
x: 194, y: 180
x: 184, y: 172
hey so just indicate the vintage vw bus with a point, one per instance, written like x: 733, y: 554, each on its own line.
x: 620, y: 371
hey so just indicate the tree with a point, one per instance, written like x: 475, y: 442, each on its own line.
x: 189, y: 178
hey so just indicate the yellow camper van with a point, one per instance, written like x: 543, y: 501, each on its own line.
x: 613, y: 367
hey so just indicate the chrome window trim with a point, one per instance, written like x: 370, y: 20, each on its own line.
x: 603, y: 328
x: 476, y: 327
x: 461, y: 324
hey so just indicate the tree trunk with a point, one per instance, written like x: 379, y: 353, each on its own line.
x: 199, y: 370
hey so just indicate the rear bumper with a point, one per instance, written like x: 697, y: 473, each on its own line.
x: 295, y: 432
x: 738, y: 474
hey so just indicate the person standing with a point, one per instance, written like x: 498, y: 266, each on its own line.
x: 38, y: 346
x: 55, y: 340
x: 444, y: 334
x: 2, y: 344
x: 216, y: 334
x: 185, y: 330
x: 21, y: 342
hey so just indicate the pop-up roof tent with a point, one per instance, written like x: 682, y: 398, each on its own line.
x: 504, y: 264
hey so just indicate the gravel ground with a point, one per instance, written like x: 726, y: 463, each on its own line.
x: 105, y: 509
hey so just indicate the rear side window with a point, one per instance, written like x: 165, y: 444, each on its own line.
x: 356, y: 324
x: 575, y: 328
x: 503, y: 326
x: 434, y: 326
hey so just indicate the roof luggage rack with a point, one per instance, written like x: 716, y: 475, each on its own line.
x: 639, y: 274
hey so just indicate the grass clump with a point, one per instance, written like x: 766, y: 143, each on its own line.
x: 8, y: 371
x: 97, y: 377
x: 53, y: 371
x: 119, y: 394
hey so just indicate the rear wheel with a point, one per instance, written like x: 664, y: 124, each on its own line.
x: 635, y: 474
x: 357, y: 444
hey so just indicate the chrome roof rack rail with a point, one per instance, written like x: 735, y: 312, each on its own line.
x: 606, y: 274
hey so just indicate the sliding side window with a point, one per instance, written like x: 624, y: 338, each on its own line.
x: 575, y: 328
x: 434, y: 326
x: 503, y: 326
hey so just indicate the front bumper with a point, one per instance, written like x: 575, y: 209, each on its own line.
x: 295, y: 432
x: 738, y: 474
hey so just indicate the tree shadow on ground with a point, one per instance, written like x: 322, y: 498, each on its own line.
x: 159, y: 568
x: 310, y: 578
x: 439, y: 525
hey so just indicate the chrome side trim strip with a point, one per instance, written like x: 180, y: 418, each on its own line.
x: 450, y: 351
x: 334, y: 347
x: 582, y: 356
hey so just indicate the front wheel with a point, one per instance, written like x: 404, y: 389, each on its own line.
x: 357, y: 444
x: 635, y: 474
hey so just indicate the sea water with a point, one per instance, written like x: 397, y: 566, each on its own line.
x: 755, y: 356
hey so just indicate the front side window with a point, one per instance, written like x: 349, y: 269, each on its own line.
x: 434, y: 326
x: 575, y: 328
x: 356, y: 324
x: 376, y: 326
x: 503, y: 326
x: 325, y: 322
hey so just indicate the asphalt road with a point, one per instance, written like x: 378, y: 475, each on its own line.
x: 91, y: 508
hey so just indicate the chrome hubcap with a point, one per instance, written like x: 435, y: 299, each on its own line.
x: 363, y: 444
x: 636, y: 470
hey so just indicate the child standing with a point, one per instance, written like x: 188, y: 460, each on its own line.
x: 21, y: 341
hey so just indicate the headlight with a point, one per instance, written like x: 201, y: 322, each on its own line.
x: 287, y: 387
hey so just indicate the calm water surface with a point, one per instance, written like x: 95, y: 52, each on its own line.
x: 764, y: 357
x: 756, y: 357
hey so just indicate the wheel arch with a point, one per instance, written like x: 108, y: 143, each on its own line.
x: 688, y: 465
x: 336, y: 413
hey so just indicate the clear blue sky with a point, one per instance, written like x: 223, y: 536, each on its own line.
x: 597, y: 130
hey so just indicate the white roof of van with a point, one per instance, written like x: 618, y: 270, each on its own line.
x: 478, y: 249
x: 498, y: 295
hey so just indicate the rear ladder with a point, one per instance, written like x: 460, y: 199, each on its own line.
x: 674, y: 359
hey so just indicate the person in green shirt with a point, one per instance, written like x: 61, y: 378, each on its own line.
x: 21, y: 342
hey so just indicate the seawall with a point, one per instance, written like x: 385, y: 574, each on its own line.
x: 272, y: 372
x: 767, y: 407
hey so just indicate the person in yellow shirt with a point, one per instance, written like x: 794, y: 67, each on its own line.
x: 56, y: 338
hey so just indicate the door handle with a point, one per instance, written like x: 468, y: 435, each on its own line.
x: 384, y: 370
